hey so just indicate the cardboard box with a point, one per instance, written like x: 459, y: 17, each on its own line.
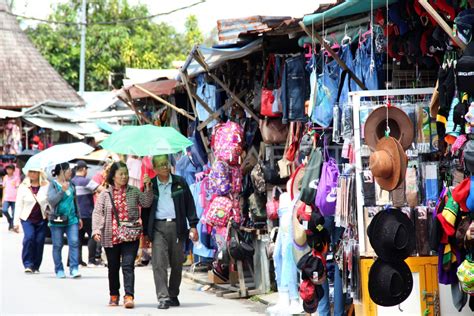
x: 214, y: 278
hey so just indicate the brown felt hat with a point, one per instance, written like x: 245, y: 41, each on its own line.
x: 401, y: 127
x: 388, y: 163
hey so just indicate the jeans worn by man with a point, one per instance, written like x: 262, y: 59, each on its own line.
x: 172, y: 209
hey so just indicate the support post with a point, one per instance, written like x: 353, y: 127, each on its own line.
x: 333, y: 55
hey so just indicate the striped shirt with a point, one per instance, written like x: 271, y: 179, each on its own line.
x: 103, y: 212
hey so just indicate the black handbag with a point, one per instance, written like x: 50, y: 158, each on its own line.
x: 271, y: 174
x: 58, y: 219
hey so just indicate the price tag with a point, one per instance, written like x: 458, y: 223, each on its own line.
x: 305, y: 225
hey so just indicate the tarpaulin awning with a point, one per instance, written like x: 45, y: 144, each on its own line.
x: 161, y: 87
x: 216, y: 56
x: 4, y: 114
x: 349, y: 7
x: 82, y: 129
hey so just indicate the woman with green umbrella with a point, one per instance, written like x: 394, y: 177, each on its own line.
x: 65, y: 219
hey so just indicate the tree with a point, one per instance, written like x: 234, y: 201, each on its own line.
x: 112, y: 47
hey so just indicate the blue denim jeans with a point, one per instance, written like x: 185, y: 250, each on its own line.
x: 33, y: 243
x: 346, y: 56
x: 208, y: 93
x: 72, y: 233
x: 5, y: 207
x: 293, y: 89
x: 285, y: 268
x: 362, y: 68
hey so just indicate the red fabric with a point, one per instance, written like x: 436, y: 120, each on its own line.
x: 307, y: 290
x: 120, y: 201
x: 147, y: 168
x: 461, y: 192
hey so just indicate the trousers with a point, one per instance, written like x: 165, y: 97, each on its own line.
x: 33, y: 243
x: 72, y: 233
x: 122, y: 255
x: 167, y: 251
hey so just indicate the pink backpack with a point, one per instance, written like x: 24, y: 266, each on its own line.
x: 236, y: 179
x: 220, y: 181
x: 219, y: 212
x: 227, y: 142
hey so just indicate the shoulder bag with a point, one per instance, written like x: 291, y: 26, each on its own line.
x: 267, y: 98
x: 53, y: 217
x: 127, y: 231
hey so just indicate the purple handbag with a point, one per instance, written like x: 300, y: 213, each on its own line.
x: 327, y: 188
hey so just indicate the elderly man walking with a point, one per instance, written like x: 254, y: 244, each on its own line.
x: 172, y: 210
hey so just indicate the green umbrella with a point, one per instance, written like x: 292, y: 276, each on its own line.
x: 146, y: 140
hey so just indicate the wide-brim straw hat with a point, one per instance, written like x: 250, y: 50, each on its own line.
x: 388, y: 163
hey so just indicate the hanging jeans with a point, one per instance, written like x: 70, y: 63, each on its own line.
x: 293, y: 89
x: 362, y: 68
x: 72, y: 233
x: 207, y: 92
x: 324, y: 307
x: 285, y: 268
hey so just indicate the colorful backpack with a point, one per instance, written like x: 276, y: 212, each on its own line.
x: 219, y: 211
x: 227, y: 142
x: 220, y: 181
x: 236, y: 179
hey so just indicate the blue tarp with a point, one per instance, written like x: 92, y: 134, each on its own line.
x: 349, y: 7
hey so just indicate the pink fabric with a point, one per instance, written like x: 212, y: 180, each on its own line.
x: 10, y: 185
x: 460, y: 140
x: 147, y: 168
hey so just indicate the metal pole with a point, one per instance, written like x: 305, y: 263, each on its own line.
x: 82, y: 69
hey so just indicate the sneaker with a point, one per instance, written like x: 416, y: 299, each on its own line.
x: 60, y: 274
x: 128, y: 301
x: 95, y: 264
x: 82, y: 263
x: 36, y: 271
x: 114, y: 300
x: 163, y: 305
x: 28, y: 270
x: 173, y: 302
x: 75, y: 273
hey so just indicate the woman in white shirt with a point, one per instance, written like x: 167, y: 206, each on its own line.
x: 31, y: 204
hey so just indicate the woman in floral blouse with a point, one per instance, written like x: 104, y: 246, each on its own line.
x: 123, y: 200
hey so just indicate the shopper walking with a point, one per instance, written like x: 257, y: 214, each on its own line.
x: 85, y: 189
x: 31, y: 204
x: 172, y: 209
x: 66, y: 219
x: 116, y: 223
x: 10, y: 187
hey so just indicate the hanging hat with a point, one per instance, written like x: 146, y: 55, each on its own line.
x: 390, y: 283
x: 310, y: 306
x: 312, y: 268
x: 294, y: 184
x: 299, y: 231
x: 461, y: 192
x: 465, y: 275
x: 403, y: 163
x: 386, y: 164
x: 465, y: 25
x: 401, y: 127
x: 468, y: 153
x: 392, y: 235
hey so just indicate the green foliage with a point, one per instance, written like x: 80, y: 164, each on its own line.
x: 110, y: 48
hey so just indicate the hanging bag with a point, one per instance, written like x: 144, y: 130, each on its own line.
x: 277, y: 107
x: 127, y: 231
x: 266, y: 106
x: 311, y: 177
x: 273, y: 204
x: 273, y: 131
x: 327, y: 188
x: 290, y: 155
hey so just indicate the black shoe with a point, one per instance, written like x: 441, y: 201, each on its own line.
x: 173, y: 302
x: 163, y: 305
x: 82, y: 263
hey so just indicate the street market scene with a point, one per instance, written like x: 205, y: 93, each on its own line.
x: 237, y: 158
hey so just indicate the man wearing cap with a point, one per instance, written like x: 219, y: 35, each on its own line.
x: 85, y: 200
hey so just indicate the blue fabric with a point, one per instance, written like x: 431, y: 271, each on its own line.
x: 66, y: 206
x: 165, y: 206
x: 362, y: 67
x: 5, y: 210
x: 470, y: 197
x: 293, y: 89
x: 346, y: 56
x: 186, y: 169
x: 33, y: 244
x: 72, y: 233
x: 285, y: 268
x: 198, y: 151
x: 201, y: 248
x: 207, y: 92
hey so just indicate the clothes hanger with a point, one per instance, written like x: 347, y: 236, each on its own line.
x: 346, y: 39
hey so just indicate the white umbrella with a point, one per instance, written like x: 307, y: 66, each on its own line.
x: 57, y: 154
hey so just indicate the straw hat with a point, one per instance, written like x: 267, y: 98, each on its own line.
x: 401, y: 127
x: 293, y: 185
x: 388, y: 163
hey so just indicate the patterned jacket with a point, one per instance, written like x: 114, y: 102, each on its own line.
x: 103, y: 212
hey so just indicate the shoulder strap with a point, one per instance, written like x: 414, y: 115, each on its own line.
x: 341, y: 84
x: 114, y: 209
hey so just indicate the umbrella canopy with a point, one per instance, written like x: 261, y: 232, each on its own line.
x: 57, y: 154
x: 146, y: 140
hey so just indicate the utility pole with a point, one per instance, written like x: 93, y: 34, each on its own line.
x: 82, y: 69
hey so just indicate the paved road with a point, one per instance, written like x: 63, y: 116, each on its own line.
x: 43, y: 294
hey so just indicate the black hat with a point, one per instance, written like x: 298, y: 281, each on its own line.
x: 390, y: 283
x: 311, y: 306
x: 392, y: 235
x: 81, y: 164
x: 312, y: 268
x: 318, y: 239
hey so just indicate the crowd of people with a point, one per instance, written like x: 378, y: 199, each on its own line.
x: 116, y: 216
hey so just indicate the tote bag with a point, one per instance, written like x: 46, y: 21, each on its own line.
x: 327, y: 187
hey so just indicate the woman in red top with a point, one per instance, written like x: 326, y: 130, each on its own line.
x: 119, y: 200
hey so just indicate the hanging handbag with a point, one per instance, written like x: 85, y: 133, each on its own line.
x: 270, y: 246
x: 327, y: 188
x: 294, y: 142
x: 311, y: 176
x: 273, y: 131
x: 285, y: 166
x: 273, y: 204
x: 257, y: 207
x: 277, y: 107
x: 127, y: 231
x: 267, y: 98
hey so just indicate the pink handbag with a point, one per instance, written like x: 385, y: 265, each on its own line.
x: 273, y: 204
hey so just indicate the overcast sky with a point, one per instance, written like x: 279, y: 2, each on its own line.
x: 208, y: 12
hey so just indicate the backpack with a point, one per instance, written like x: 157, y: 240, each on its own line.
x: 327, y: 188
x: 219, y: 211
x: 227, y: 142
x: 220, y: 182
x: 236, y: 179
